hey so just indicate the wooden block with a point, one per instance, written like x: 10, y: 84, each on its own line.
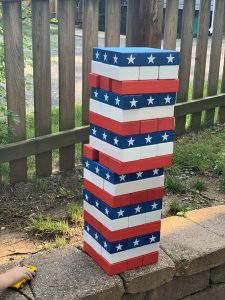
x: 151, y: 72
x: 92, y: 177
x: 94, y: 80
x: 153, y: 216
x: 105, y: 83
x: 92, y: 242
x: 90, y: 152
x: 148, y: 151
x: 145, y: 86
x: 165, y: 149
x: 157, y: 193
x: 166, y: 124
x: 137, y: 220
x: 168, y: 72
x: 151, y: 258
x: 148, y: 126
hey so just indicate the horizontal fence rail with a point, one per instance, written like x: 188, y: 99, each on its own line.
x: 148, y: 23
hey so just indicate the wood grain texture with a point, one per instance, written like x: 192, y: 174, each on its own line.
x: 15, y: 86
x: 185, y: 59
x: 144, y: 23
x: 90, y: 40
x: 214, y: 67
x: 200, y: 58
x: 112, y: 23
x: 221, y: 115
x: 42, y: 79
x: 66, y: 15
x: 170, y: 26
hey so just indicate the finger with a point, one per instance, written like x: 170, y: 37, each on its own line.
x: 30, y: 276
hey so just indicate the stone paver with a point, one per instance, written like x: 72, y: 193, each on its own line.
x: 192, y: 248
x: 149, y: 277
x: 212, y: 218
x: 12, y: 295
x: 216, y: 292
x: 218, y: 274
x: 68, y: 274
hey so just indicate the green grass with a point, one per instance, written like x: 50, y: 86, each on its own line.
x: 60, y: 241
x: 48, y: 226
x: 75, y: 212
x: 180, y: 208
x: 199, y: 185
x: 174, y: 185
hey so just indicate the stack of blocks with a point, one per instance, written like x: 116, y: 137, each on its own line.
x: 131, y: 142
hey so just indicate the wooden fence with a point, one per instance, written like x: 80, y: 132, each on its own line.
x: 144, y: 28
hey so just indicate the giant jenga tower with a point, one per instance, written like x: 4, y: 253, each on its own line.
x: 131, y: 142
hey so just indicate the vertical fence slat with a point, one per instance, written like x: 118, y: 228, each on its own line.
x: 200, y: 58
x: 170, y: 26
x: 112, y: 23
x: 90, y: 39
x: 214, y: 68
x: 221, y: 116
x: 66, y: 15
x: 42, y: 79
x: 15, y: 86
x: 185, y: 59
x: 144, y: 23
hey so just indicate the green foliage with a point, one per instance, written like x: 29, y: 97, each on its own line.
x: 60, y: 241
x: 174, y: 185
x: 75, y: 212
x: 63, y: 192
x: 199, y: 184
x: 180, y: 208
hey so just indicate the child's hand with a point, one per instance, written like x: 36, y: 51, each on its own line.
x: 15, y: 275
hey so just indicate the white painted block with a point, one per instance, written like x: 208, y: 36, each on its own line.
x: 92, y: 177
x: 123, y: 155
x: 155, y: 112
x: 153, y: 216
x: 92, y: 242
x: 133, y: 186
x: 88, y: 207
x: 148, y: 151
x: 115, y: 72
x: 164, y: 149
x: 131, y: 253
x: 147, y: 72
x: 168, y: 72
x: 137, y: 220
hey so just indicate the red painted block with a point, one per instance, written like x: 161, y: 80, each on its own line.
x: 113, y: 201
x: 145, y: 86
x: 156, y: 193
x: 137, y: 165
x: 105, y: 83
x: 104, y: 159
x: 126, y: 128
x: 148, y: 126
x: 151, y: 258
x: 134, y: 263
x: 166, y: 124
x: 94, y: 80
x: 90, y: 152
x: 139, y: 197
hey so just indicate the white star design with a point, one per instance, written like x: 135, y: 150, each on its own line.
x: 87, y: 164
x: 136, y: 243
x: 122, y: 178
x: 117, y: 100
x: 97, y: 55
x: 152, y: 239
x: 96, y: 94
x: 106, y: 211
x: 86, y: 197
x: 97, y: 170
x: 94, y: 131
x: 96, y: 203
x: 139, y: 175
x: 115, y: 141
x: 119, y: 247
x: 120, y: 213
x: 170, y: 58
x: 115, y: 59
x: 154, y: 205
x: 96, y: 236
x: 104, y: 136
x: 133, y: 103
x: 106, y: 97
x: 107, y: 176
x: 151, y: 59
x: 131, y: 59
x: 167, y: 99
x: 105, y: 245
x: 88, y: 228
x: 165, y: 137
x: 148, y: 139
x: 155, y: 172
x: 150, y: 100
x: 105, y: 56
x: 131, y: 141
x: 137, y: 209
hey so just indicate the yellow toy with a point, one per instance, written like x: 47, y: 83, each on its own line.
x: 20, y: 284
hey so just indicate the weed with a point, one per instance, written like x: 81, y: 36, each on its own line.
x: 179, y: 209
x: 60, y: 241
x: 75, y: 212
x: 63, y: 192
x: 174, y: 185
x: 199, y: 185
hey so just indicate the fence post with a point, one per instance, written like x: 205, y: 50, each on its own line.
x: 222, y: 108
x: 112, y: 23
x: 90, y: 39
x: 66, y: 14
x: 144, y: 23
x: 200, y: 58
x: 170, y: 26
x: 185, y: 59
x: 42, y: 79
x: 214, y: 68
x: 15, y: 86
